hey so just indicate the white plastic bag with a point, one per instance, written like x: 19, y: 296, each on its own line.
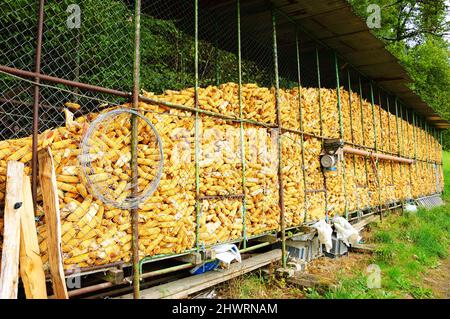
x: 345, y: 231
x: 324, y: 231
x: 226, y: 253
x: 410, y: 208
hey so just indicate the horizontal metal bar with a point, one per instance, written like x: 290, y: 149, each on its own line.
x: 308, y: 191
x: 80, y: 85
x: 206, y: 197
x: 378, y: 155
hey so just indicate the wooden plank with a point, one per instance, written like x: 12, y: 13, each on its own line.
x: 31, y: 267
x: 362, y: 248
x: 365, y: 221
x: 189, y: 285
x: 9, y: 277
x: 47, y: 179
x: 306, y: 280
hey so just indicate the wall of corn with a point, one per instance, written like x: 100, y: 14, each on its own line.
x: 242, y: 155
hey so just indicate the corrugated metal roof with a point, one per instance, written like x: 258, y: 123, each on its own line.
x: 333, y: 24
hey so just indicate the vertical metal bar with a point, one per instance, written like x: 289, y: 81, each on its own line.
x: 414, y: 135
x: 351, y: 115
x: 319, y: 85
x: 216, y: 52
x: 442, y: 157
x: 398, y: 135
x: 196, y: 129
x: 401, y: 133
x: 36, y: 101
x: 435, y: 159
x: 427, y: 149
x: 397, y: 127
x: 242, y: 132
x: 376, y: 148
x: 388, y: 104
x: 421, y: 143
x: 408, y: 142
x: 341, y: 130
x: 426, y: 141
x: 373, y: 116
x: 134, y: 142
x: 297, y: 49
x: 280, y: 132
x: 414, y: 168
x: 381, y: 142
x: 362, y: 129
x: 77, y: 64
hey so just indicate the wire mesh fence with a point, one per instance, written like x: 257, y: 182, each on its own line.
x: 242, y: 105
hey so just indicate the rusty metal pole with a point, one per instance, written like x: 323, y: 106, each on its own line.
x: 36, y: 98
x: 280, y: 133
x: 134, y: 141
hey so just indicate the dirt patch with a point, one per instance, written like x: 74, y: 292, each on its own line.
x: 438, y: 280
x: 331, y: 268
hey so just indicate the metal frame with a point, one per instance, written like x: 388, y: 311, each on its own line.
x: 135, y: 97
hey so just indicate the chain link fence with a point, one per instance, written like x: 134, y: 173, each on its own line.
x: 242, y: 104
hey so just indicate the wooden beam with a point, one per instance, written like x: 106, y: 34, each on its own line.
x: 186, y: 286
x: 31, y: 268
x: 360, y: 224
x: 9, y: 277
x: 362, y: 248
x: 47, y: 179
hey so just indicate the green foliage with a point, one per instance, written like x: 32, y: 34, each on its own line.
x: 101, y: 51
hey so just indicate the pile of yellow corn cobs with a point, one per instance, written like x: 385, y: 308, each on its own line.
x: 94, y: 233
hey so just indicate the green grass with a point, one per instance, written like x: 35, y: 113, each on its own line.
x: 407, y: 246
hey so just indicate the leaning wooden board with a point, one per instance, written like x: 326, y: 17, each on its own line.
x: 47, y: 179
x: 31, y: 267
x: 9, y: 276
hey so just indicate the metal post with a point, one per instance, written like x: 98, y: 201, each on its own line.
x: 415, y: 149
x: 408, y: 142
x: 341, y: 130
x: 216, y: 50
x: 442, y: 157
x: 280, y: 132
x: 398, y: 135
x: 401, y: 133
x: 376, y: 148
x: 362, y: 129
x: 297, y: 49
x: 389, y: 137
x: 36, y: 100
x: 397, y: 127
x: 319, y: 87
x: 134, y: 142
x: 351, y: 115
x: 196, y: 129
x: 242, y: 132
x: 321, y: 129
